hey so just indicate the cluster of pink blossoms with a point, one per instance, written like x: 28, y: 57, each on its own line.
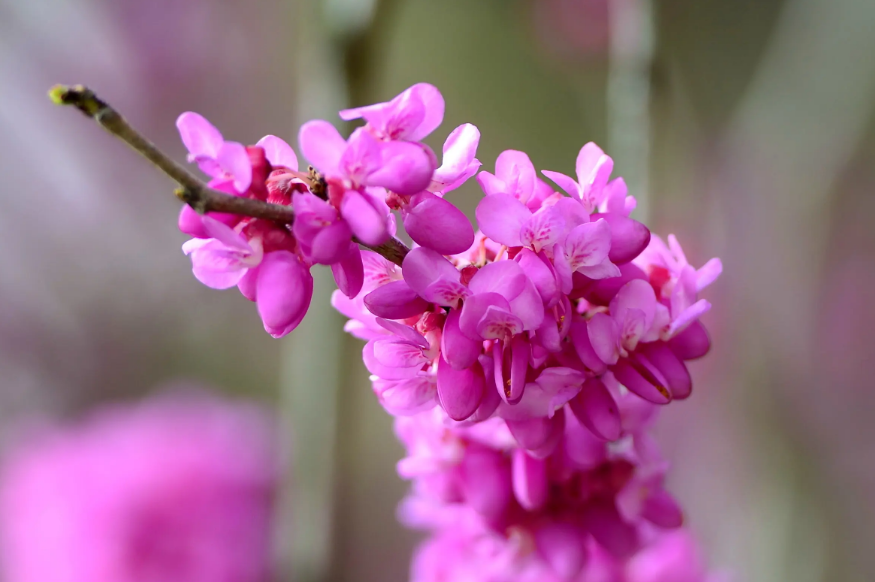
x: 178, y: 488
x: 524, y: 362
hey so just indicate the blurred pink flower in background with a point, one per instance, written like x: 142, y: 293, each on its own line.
x: 572, y: 29
x: 180, y: 488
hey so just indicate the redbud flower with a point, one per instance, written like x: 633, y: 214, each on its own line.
x: 178, y: 488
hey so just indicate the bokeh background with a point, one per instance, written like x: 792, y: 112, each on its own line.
x: 744, y: 126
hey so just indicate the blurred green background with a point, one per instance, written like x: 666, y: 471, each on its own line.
x: 744, y: 126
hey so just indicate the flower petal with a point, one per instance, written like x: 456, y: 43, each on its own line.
x: 201, y: 138
x: 501, y: 217
x: 596, y: 409
x: 349, y: 272
x: 437, y: 224
x: 322, y: 145
x: 459, y: 391
x: 278, y: 152
x: 459, y: 162
x: 404, y: 167
x: 234, y: 160
x: 365, y: 221
x: 284, y: 289
x: 628, y: 237
x: 395, y: 300
x: 458, y: 349
x: 530, y: 484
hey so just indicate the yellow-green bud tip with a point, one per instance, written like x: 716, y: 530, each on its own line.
x: 58, y: 94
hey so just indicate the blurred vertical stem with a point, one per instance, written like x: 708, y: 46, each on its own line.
x: 628, y: 94
x: 335, y: 53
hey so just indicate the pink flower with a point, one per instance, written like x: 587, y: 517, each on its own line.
x: 593, y: 172
x: 411, y: 116
x: 224, y: 161
x: 178, y: 488
x: 459, y: 161
x: 222, y: 261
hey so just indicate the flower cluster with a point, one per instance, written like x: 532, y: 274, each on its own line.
x: 179, y: 488
x: 524, y: 362
x: 345, y: 197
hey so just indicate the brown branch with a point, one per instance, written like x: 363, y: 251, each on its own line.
x: 193, y: 191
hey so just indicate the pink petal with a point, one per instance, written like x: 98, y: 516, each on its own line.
x: 458, y: 350
x: 247, y: 284
x: 435, y: 223
x: 322, y: 146
x: 361, y: 158
x: 349, y: 272
x: 278, y: 152
x: 708, y: 273
x: 662, y: 510
x: 593, y: 171
x: 528, y: 306
x: 459, y: 162
x: 378, y: 367
x: 404, y: 167
x: 603, y: 521
x: 563, y: 546
x: 399, y: 354
x: 543, y: 229
x: 520, y: 352
x: 491, y: 399
x: 530, y: 484
x: 539, y: 435
x: 422, y: 267
x: 504, y: 277
x: 474, y: 310
x: 691, y: 343
x: 671, y: 367
x: 498, y: 323
x: 214, y: 264
x: 518, y: 173
x: 433, y: 105
x: 200, y: 137
x: 603, y: 291
x: 596, y: 409
x: 284, y: 290
x: 567, y: 183
x: 615, y: 194
x: 365, y: 221
x: 588, y: 245
x: 628, y: 237
x: 486, y: 482
x: 642, y: 380
x: 604, y: 336
x: 537, y: 269
x: 191, y: 223
x: 563, y: 269
x: 234, y: 160
x: 459, y: 391
x: 604, y: 270
x: 501, y: 217
x: 584, y: 349
x: 395, y: 300
x: 404, y: 331
x: 636, y: 294
x: 490, y: 184
x: 331, y: 244
x: 406, y: 397
x: 688, y: 316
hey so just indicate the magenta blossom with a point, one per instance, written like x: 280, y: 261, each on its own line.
x: 411, y: 116
x: 179, y: 488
